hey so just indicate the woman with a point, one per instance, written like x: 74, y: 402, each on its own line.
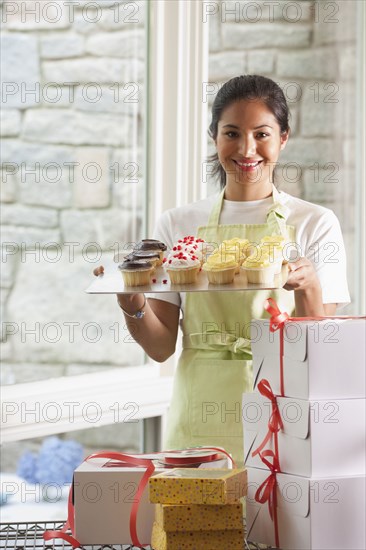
x: 250, y: 127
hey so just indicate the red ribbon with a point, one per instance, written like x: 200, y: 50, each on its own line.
x: 189, y: 461
x: 278, y: 318
x: 275, y: 423
x: 124, y: 458
x: 277, y: 322
x: 267, y: 491
x: 130, y: 460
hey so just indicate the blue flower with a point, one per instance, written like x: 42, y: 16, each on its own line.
x: 55, y: 463
x: 27, y: 467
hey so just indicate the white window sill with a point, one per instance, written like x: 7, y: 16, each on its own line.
x: 59, y: 405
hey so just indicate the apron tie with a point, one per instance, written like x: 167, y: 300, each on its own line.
x: 218, y: 341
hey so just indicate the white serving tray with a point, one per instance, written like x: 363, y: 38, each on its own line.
x: 111, y: 282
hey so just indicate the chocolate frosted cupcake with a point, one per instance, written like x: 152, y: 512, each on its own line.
x: 144, y: 256
x: 151, y: 245
x: 136, y: 273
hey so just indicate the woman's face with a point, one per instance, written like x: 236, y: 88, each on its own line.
x: 248, y: 144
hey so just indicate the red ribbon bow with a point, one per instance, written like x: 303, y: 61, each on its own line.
x: 277, y: 322
x: 278, y: 317
x: 275, y: 423
x: 267, y: 491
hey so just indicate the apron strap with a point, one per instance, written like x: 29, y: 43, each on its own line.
x: 277, y: 215
x: 214, y: 217
x: 218, y: 341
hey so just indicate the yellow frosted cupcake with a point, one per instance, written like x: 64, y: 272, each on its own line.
x: 258, y: 268
x: 273, y: 252
x: 273, y: 245
x: 226, y: 250
x: 240, y: 248
x: 220, y: 270
x: 241, y: 245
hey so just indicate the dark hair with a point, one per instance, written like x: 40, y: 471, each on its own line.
x: 252, y: 87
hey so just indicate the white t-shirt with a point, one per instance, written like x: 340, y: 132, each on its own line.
x: 318, y: 236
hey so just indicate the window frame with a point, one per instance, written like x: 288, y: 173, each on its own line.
x: 173, y: 116
x: 360, y: 274
x: 176, y: 146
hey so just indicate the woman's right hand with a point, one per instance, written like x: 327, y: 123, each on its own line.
x: 157, y: 331
x: 127, y: 301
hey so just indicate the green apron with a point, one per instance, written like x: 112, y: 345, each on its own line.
x: 215, y: 366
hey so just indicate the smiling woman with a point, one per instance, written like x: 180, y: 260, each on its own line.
x: 249, y: 153
x: 249, y: 128
x: 250, y: 150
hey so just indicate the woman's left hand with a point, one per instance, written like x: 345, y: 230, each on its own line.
x: 302, y: 276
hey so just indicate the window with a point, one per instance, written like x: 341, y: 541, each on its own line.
x: 73, y: 182
x: 57, y: 339
x: 314, y: 51
x: 87, y: 169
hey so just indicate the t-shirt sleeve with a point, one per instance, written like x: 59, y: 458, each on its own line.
x: 327, y: 253
x: 163, y: 232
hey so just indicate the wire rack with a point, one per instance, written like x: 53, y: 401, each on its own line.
x: 27, y: 536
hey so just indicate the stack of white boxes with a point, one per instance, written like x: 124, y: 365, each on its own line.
x: 320, y: 490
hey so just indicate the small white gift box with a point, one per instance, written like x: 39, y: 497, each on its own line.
x: 312, y: 514
x: 322, y: 359
x: 319, y: 438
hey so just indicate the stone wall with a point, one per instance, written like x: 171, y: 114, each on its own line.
x: 309, y: 48
x: 72, y: 181
x: 72, y: 187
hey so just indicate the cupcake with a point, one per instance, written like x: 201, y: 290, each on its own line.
x: 220, y: 270
x: 191, y: 245
x: 234, y: 247
x: 258, y: 268
x: 270, y: 252
x: 239, y: 248
x: 136, y: 273
x: 273, y: 246
x: 151, y: 245
x: 182, y: 268
x: 145, y: 256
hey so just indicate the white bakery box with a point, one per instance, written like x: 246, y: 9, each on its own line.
x: 322, y: 359
x: 319, y: 438
x: 104, y: 492
x: 313, y: 514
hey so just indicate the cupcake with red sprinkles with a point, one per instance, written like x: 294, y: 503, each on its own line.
x: 182, y: 267
x: 191, y: 245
